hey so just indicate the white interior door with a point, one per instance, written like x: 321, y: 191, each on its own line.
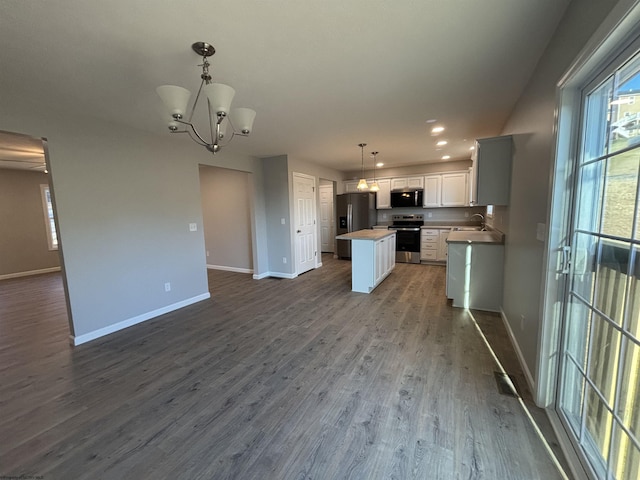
x: 304, y: 200
x: 327, y: 223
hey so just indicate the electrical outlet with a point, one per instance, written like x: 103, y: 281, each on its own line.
x: 429, y: 215
x: 466, y: 214
x: 167, y: 287
x: 282, y: 221
x: 284, y: 259
x: 207, y: 253
x: 522, y: 320
x: 193, y: 227
x: 384, y: 216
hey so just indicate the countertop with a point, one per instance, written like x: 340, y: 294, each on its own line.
x: 369, y: 234
x: 463, y: 236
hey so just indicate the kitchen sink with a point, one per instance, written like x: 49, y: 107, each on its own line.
x: 466, y: 229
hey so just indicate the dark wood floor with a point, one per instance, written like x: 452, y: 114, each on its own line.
x: 269, y: 379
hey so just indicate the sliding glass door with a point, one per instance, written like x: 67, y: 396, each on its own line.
x: 599, y: 387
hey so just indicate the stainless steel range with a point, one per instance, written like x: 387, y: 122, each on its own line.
x: 407, y: 229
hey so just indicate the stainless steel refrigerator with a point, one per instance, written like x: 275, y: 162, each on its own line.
x: 354, y: 211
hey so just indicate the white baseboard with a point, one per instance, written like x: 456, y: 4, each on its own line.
x: 101, y: 332
x: 29, y: 273
x: 260, y: 276
x: 283, y: 275
x: 230, y: 269
x: 516, y: 346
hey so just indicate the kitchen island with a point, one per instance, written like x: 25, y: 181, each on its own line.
x: 373, y: 256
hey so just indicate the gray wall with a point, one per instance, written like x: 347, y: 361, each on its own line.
x: 226, y: 211
x: 531, y: 123
x: 23, y: 236
x: 124, y: 200
x: 278, y: 218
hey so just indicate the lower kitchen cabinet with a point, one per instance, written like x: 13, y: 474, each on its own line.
x: 433, y: 244
x: 475, y: 275
x: 371, y: 262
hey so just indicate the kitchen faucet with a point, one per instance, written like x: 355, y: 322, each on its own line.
x: 482, y: 224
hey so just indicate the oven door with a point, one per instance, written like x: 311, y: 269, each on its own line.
x: 407, y: 244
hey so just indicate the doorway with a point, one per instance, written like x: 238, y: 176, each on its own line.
x: 327, y: 217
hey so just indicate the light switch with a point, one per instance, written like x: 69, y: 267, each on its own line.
x: 282, y: 221
x: 193, y: 227
x: 541, y: 232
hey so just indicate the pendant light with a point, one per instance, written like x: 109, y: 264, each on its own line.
x: 362, y: 184
x: 374, y: 185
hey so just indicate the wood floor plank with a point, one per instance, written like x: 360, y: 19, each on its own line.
x: 269, y: 379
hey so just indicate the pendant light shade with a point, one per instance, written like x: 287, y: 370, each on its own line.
x: 242, y: 119
x: 220, y: 97
x: 374, y: 185
x: 174, y: 98
x: 362, y: 184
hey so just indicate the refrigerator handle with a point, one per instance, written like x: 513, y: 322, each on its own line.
x: 349, y: 218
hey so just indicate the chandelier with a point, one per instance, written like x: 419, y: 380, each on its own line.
x: 218, y: 97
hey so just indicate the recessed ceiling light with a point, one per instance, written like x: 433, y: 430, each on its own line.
x: 437, y: 130
x: 379, y: 164
x: 432, y: 120
x: 446, y: 157
x: 472, y: 148
x: 441, y: 143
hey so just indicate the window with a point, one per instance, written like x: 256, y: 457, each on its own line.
x: 49, y: 219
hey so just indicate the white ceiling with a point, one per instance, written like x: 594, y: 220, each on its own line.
x: 322, y: 75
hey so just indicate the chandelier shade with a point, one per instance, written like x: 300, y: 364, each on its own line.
x: 218, y: 98
x: 362, y: 183
x: 242, y: 119
x: 175, y: 99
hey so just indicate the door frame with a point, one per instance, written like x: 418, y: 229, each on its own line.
x: 615, y: 35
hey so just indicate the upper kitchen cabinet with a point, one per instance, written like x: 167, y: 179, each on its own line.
x: 383, y: 196
x: 406, y: 182
x: 491, y: 171
x: 351, y: 187
x: 446, y: 190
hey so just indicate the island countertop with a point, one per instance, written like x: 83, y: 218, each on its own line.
x: 368, y: 234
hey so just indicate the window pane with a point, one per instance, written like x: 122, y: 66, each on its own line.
x: 634, y: 297
x: 625, y: 125
x: 620, y: 189
x: 595, y: 128
x: 629, y: 402
x: 598, y: 423
x: 605, y: 349
x: 625, y: 462
x: 590, y: 196
x: 572, y: 395
x: 613, y: 264
x: 584, y: 265
x: 579, y: 321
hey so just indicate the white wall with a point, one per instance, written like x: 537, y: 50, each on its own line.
x: 531, y: 124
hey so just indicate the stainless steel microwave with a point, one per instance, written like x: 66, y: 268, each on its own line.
x: 406, y: 198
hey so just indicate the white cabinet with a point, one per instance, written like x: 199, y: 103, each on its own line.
x: 429, y: 239
x: 371, y: 262
x: 491, y: 171
x: 351, y: 187
x: 432, y: 191
x: 454, y: 189
x: 433, y: 244
x: 442, y: 245
x: 474, y: 275
x: 446, y: 190
x: 383, y: 196
x: 406, y: 182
